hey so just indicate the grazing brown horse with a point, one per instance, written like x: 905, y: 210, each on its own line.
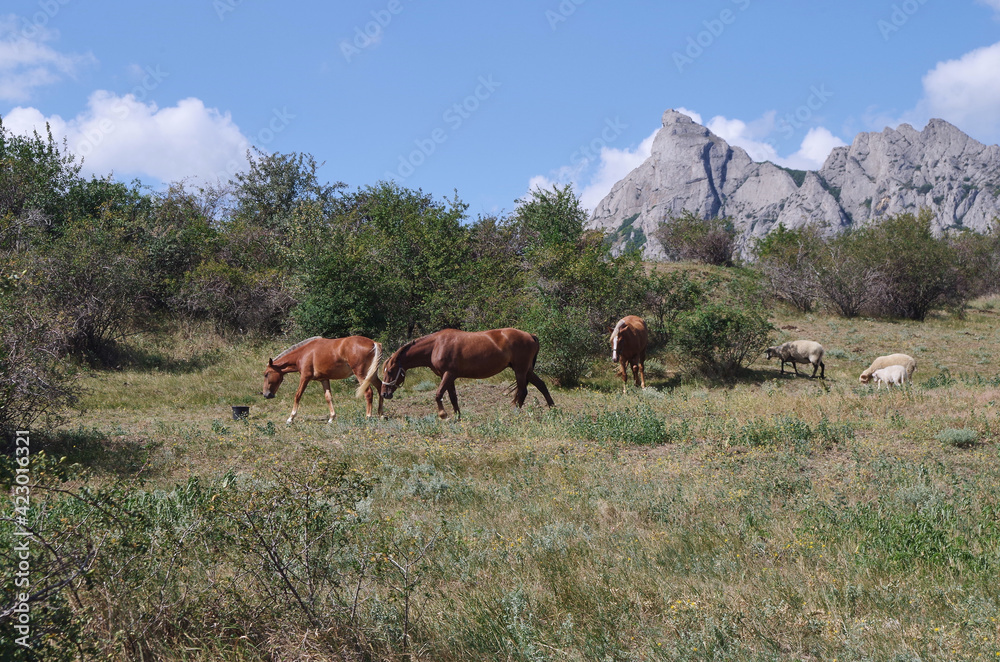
x: 628, y: 345
x: 451, y: 354
x: 325, y: 359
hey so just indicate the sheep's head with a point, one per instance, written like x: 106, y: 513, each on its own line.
x: 771, y: 352
x: 865, y: 377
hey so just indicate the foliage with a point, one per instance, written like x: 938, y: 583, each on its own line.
x: 690, y: 237
x: 721, y: 337
x: 958, y: 437
x: 667, y: 296
x: 394, y: 262
x: 920, y: 271
x: 551, y: 218
x: 893, y: 268
x: 567, y: 347
x: 788, y: 260
x: 34, y: 384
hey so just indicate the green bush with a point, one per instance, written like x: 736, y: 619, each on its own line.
x: 690, y: 237
x: 958, y: 437
x: 567, y: 345
x: 721, y: 339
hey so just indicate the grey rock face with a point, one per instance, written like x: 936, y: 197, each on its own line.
x: 895, y: 171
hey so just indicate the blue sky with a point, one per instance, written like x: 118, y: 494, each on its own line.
x: 486, y: 99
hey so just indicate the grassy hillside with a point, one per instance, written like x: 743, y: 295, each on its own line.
x: 781, y: 518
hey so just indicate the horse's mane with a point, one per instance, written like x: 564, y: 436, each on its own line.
x: 296, y: 346
x: 618, y: 327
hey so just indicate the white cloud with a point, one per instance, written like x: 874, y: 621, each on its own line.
x: 690, y: 113
x: 965, y: 92
x: 995, y: 4
x: 751, y: 137
x: 126, y: 136
x: 593, y: 183
x: 816, y: 146
x: 612, y: 165
x: 27, y: 62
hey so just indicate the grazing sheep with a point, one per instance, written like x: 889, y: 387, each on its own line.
x: 904, y: 360
x: 893, y: 374
x: 799, y: 351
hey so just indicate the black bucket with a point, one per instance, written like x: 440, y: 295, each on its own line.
x: 241, y: 412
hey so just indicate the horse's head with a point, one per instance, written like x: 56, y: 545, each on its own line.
x: 392, y: 377
x: 272, y: 379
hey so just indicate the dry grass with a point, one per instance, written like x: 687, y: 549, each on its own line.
x: 789, y: 518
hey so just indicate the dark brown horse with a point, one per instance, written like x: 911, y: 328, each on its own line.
x: 628, y: 345
x: 452, y: 354
x: 325, y: 359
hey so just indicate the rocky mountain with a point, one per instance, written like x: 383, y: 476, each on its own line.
x: 895, y: 171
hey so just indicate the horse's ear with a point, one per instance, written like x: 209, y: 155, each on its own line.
x: 270, y: 363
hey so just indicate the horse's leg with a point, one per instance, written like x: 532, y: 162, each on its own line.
x: 520, y: 388
x: 303, y: 380
x: 376, y: 388
x: 368, y: 402
x: 453, y: 396
x: 537, y: 382
x: 623, y: 365
x: 329, y: 400
x: 447, y: 384
x: 641, y: 383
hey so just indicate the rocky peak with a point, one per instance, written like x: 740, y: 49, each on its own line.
x: 880, y: 173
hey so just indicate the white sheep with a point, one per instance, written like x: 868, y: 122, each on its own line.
x: 799, y: 351
x: 889, y: 375
x: 904, y: 360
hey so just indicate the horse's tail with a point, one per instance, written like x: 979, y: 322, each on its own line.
x: 538, y: 346
x: 372, y: 370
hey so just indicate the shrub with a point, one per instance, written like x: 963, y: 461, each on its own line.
x: 567, y: 345
x: 958, y: 437
x: 724, y: 336
x: 787, y: 261
x: 34, y: 383
x: 690, y: 237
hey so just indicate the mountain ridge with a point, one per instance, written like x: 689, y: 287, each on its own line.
x: 879, y: 174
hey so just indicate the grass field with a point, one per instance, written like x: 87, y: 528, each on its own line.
x: 782, y: 518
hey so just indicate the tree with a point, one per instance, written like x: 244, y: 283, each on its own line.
x: 393, y: 262
x: 579, y: 287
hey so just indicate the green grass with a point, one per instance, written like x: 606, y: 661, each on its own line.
x: 777, y: 518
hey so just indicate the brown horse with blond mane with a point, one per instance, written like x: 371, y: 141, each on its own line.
x: 628, y: 345
x: 324, y: 359
x: 452, y: 354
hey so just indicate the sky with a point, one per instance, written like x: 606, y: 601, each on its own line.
x: 485, y: 100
